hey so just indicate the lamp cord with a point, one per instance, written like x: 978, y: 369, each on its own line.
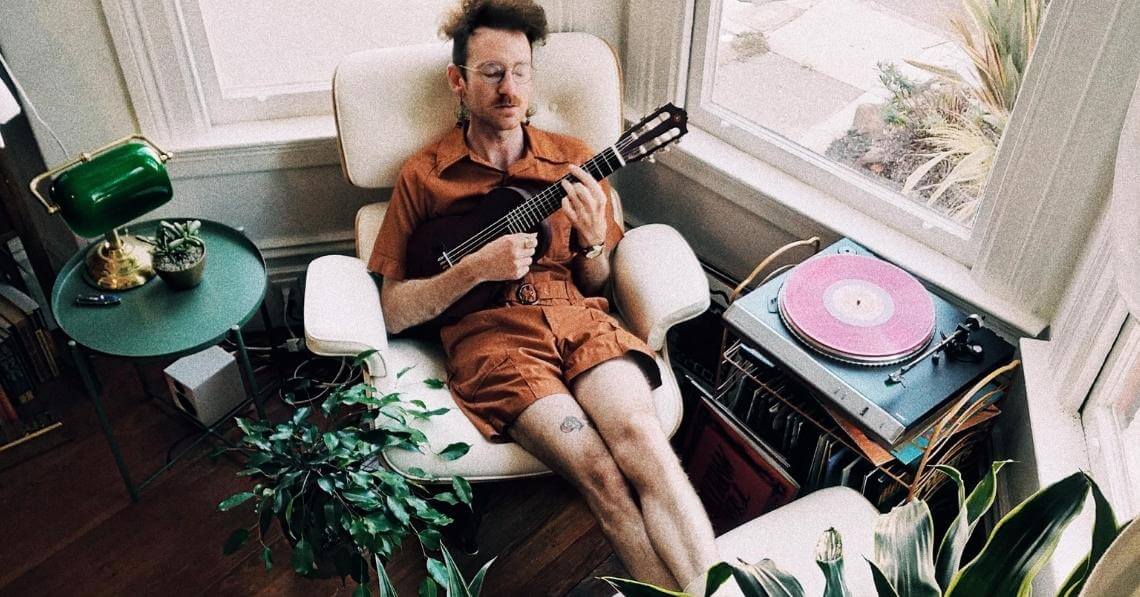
x: 31, y: 108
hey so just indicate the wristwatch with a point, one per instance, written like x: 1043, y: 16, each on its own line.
x: 593, y: 251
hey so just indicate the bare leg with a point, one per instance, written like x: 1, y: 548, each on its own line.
x: 618, y: 399
x: 554, y: 429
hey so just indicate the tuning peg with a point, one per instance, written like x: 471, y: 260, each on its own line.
x: 652, y: 159
x: 667, y: 148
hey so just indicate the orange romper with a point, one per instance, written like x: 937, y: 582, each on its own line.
x: 544, y: 332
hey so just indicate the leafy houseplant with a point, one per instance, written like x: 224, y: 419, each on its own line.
x: 317, y: 474
x: 905, y: 561
x: 179, y: 253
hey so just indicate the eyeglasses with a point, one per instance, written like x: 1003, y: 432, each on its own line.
x: 494, y: 73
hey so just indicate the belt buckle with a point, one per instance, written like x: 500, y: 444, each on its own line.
x: 526, y: 294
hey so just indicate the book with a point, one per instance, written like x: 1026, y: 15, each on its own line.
x: 15, y: 249
x: 44, y: 340
x: 24, y: 330
x: 14, y: 375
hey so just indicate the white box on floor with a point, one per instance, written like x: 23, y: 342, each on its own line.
x: 206, y: 384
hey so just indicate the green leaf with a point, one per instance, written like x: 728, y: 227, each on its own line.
x: 429, y: 538
x: 303, y: 557
x: 1105, y: 532
x: 632, y: 588
x: 361, y: 591
x: 326, y: 484
x: 437, y: 571
x: 434, y: 383
x: 446, y: 497
x: 717, y: 575
x: 401, y: 372
x: 765, y: 578
x: 359, y: 359
x: 462, y: 489
x: 265, y: 514
x: 1022, y: 541
x: 453, y: 451
x: 882, y: 586
x: 428, y: 588
x: 216, y: 453
x: 386, y: 588
x: 267, y: 557
x: 904, y: 549
x: 301, y: 414
x: 476, y: 585
x: 235, y: 500
x: 331, y: 440
x: 456, y: 586
x: 971, y: 510
x: 235, y: 541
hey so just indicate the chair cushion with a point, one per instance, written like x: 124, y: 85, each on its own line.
x: 486, y: 460
x: 389, y: 102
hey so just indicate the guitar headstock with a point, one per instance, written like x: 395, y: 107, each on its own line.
x: 664, y: 126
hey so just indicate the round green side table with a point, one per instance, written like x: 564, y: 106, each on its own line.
x: 153, y: 321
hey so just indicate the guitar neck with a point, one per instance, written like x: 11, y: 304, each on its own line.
x: 543, y: 204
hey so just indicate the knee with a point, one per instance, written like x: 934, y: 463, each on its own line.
x: 639, y: 446
x: 605, y: 488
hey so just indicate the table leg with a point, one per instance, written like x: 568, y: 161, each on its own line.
x: 84, y: 368
x: 247, y: 370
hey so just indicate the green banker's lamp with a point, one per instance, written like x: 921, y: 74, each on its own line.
x: 100, y: 191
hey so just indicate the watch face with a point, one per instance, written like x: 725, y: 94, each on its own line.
x: 594, y: 250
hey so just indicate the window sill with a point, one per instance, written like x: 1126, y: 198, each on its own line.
x: 255, y: 147
x: 786, y: 201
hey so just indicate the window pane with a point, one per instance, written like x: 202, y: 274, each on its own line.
x: 262, y: 47
x: 884, y: 87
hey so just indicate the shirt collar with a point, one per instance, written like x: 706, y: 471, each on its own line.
x: 452, y: 148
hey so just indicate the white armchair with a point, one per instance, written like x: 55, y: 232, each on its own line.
x: 390, y: 102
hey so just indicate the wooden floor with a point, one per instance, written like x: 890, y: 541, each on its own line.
x: 68, y: 527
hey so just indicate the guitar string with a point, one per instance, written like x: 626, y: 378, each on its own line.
x: 532, y: 206
x: 521, y: 216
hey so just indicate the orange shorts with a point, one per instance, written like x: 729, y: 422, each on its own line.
x: 501, y: 360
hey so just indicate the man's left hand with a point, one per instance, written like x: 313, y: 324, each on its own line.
x: 585, y: 205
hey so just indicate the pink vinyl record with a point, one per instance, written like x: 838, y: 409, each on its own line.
x: 857, y: 307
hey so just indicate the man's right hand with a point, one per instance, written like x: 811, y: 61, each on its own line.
x: 505, y: 258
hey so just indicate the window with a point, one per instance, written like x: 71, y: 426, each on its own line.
x: 194, y: 67
x: 878, y: 103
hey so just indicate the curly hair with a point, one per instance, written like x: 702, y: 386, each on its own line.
x: 461, y: 22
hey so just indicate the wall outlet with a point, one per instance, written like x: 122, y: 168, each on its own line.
x: 290, y: 284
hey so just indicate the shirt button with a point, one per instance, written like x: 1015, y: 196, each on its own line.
x: 526, y: 294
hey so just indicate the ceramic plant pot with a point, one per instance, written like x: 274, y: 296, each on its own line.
x: 182, y: 275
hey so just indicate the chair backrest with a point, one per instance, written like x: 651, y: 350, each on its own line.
x: 390, y: 102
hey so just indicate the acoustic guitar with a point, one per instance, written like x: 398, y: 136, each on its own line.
x: 440, y: 243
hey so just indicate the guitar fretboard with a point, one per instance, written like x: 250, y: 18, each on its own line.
x: 544, y: 203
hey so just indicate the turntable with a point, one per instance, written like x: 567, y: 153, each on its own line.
x: 868, y: 338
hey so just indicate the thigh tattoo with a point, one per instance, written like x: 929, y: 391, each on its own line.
x: 571, y: 424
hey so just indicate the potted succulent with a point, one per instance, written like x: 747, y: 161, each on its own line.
x: 319, y: 476
x: 179, y: 253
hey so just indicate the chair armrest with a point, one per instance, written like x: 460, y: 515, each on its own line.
x: 342, y: 311
x: 658, y: 282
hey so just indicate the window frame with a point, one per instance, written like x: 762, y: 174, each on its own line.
x: 956, y: 241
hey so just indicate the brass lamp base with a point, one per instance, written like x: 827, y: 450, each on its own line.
x: 119, y: 262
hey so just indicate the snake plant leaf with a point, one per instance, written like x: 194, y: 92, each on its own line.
x: 883, y: 587
x: 904, y: 550
x: 456, y: 587
x: 765, y: 579
x: 476, y: 585
x: 361, y: 591
x: 1105, y: 532
x: 716, y: 576
x: 1022, y: 542
x: 632, y: 588
x: 428, y: 588
x: 382, y: 580
x: 971, y: 510
x: 829, y: 557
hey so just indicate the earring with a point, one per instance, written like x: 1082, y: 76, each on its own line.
x: 461, y: 115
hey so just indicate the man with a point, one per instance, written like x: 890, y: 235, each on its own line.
x: 551, y: 371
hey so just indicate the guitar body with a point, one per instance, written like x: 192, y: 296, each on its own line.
x: 438, y: 236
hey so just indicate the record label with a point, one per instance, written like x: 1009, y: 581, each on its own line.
x: 857, y: 308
